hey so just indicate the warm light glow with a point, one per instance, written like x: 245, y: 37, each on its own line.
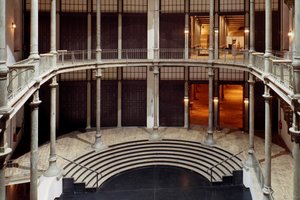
x: 186, y: 31
x: 290, y: 33
x: 216, y: 99
x: 246, y: 30
x: 246, y: 100
x: 186, y: 99
x: 216, y: 31
x: 13, y: 25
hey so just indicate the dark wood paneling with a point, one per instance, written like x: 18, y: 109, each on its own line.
x: 171, y: 107
x: 109, y: 31
x: 72, y: 105
x: 73, y: 31
x: 134, y: 32
x: 134, y: 105
x: 171, y: 31
x: 109, y: 103
x: 260, y: 31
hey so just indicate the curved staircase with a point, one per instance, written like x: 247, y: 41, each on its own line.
x: 94, y: 168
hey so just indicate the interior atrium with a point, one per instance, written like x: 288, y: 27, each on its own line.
x: 150, y: 99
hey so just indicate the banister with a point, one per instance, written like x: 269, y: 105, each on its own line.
x: 84, y: 167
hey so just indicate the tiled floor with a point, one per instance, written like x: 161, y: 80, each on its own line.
x: 77, y: 143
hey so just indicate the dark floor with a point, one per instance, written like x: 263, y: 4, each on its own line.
x: 163, y: 183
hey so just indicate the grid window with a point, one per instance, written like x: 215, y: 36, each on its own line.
x: 74, y: 76
x: 44, y: 5
x: 260, y: 5
x: 198, y: 73
x: 231, y: 75
x: 135, y: 6
x: 231, y: 5
x: 172, y: 6
x: 172, y: 73
x: 199, y: 6
x: 107, y: 74
x: 74, y: 5
x: 134, y: 73
x: 106, y: 6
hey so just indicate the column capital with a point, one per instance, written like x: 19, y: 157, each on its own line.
x: 53, y: 85
x: 155, y: 70
x: 267, y: 96
x: 35, y: 103
x: 99, y: 73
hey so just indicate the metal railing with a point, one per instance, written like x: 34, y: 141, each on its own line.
x: 282, y: 70
x: 97, y: 174
x: 211, y: 169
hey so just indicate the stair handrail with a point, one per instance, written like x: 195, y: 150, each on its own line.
x: 82, y: 166
x: 223, y: 161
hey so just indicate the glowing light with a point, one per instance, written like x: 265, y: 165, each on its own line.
x: 13, y: 25
x: 216, y: 100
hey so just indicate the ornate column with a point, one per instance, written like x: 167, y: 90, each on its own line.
x: 211, y: 31
x: 34, y: 30
x: 89, y: 72
x: 268, y: 36
x: 4, y: 108
x: 156, y: 29
x: 209, y: 139
x: 120, y: 9
x: 119, y: 96
x: 267, y: 189
x: 252, y: 31
x: 34, y: 146
x: 53, y: 169
x: 53, y: 28
x: 247, y: 31
x: 155, y: 135
x: 251, y: 157
x: 186, y: 29
x: 98, y: 145
x: 216, y: 29
x: 98, y: 31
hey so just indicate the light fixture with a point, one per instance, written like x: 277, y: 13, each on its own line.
x: 246, y: 100
x: 186, y: 99
x: 216, y: 100
x: 13, y: 25
x: 216, y: 31
x: 186, y: 31
x: 290, y: 33
x: 246, y: 30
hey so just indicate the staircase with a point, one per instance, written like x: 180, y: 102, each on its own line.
x: 94, y: 168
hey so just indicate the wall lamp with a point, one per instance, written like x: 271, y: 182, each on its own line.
x: 186, y: 99
x: 186, y: 31
x: 246, y: 101
x: 13, y: 25
x: 246, y: 30
x: 216, y: 100
x: 290, y: 33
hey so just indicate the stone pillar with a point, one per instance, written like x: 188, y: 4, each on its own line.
x: 34, y: 146
x: 252, y: 31
x: 120, y: 9
x: 216, y: 30
x: 296, y: 59
x: 53, y: 28
x: 88, y: 99
x: 119, y: 97
x: 53, y: 170
x: 89, y: 29
x: 268, y: 36
x: 186, y: 30
x: 209, y: 139
x: 156, y: 29
x: 216, y: 100
x: 34, y: 30
x: 186, y: 97
x: 155, y: 134
x: 295, y: 134
x: 246, y: 31
x: 211, y: 31
x: 267, y: 189
x: 250, y: 162
x: 98, y: 31
x: 98, y: 145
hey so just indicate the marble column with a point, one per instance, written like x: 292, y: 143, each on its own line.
x: 267, y: 189
x: 211, y: 31
x: 156, y: 29
x: 186, y: 30
x: 53, y: 28
x: 252, y: 32
x: 120, y: 8
x: 88, y: 99
x: 53, y: 169
x: 295, y: 134
x: 34, y: 30
x: 155, y: 134
x: 268, y: 36
x: 186, y: 97
x: 119, y: 97
x: 250, y: 162
x: 296, y: 59
x: 98, y: 31
x: 98, y: 145
x: 209, y: 139
x: 34, y: 146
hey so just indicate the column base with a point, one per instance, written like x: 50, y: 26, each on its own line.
x: 267, y: 192
x: 209, y: 140
x: 251, y: 160
x: 99, y: 146
x: 155, y: 136
x: 53, y: 170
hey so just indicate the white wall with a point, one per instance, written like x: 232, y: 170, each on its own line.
x: 49, y: 188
